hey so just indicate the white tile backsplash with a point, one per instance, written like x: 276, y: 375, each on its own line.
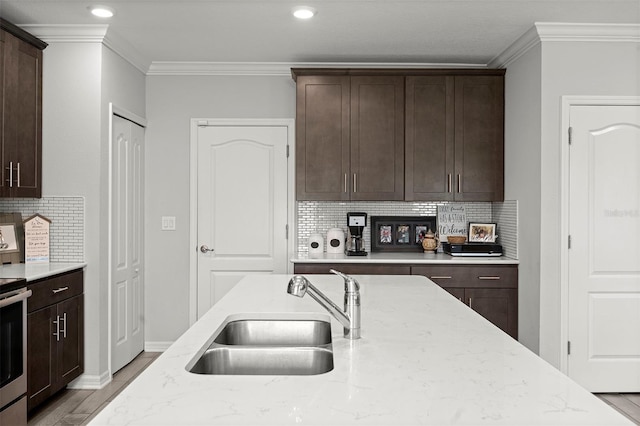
x: 67, y: 223
x: 320, y: 216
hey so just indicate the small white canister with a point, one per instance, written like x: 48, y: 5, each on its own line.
x: 335, y: 241
x: 316, y: 244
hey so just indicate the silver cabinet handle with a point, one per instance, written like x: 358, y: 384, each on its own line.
x: 355, y: 183
x: 58, y: 290
x: 470, y: 303
x: 488, y: 278
x: 345, y: 182
x: 18, y: 185
x: 205, y: 249
x: 10, y: 180
x: 449, y: 182
x: 459, y: 183
x: 440, y: 277
x: 57, y: 323
x: 64, y: 328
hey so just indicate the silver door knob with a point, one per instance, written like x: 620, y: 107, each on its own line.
x: 205, y: 249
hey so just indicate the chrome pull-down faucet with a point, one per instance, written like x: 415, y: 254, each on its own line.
x: 350, y: 317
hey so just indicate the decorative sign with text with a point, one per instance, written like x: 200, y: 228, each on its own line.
x: 36, y: 239
x: 452, y: 220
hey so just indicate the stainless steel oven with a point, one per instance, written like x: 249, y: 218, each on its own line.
x: 13, y: 351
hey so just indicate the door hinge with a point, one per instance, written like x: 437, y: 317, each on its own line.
x: 568, y: 347
x: 286, y: 231
x: 569, y: 241
x: 287, y: 150
x: 570, y: 135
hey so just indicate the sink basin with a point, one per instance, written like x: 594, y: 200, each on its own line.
x: 275, y: 332
x: 258, y: 345
x: 279, y: 361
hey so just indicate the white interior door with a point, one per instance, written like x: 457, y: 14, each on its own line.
x: 604, y: 258
x: 127, y: 278
x: 242, y: 206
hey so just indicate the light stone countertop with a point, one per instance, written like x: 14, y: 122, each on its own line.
x: 35, y: 271
x: 405, y: 258
x: 424, y: 358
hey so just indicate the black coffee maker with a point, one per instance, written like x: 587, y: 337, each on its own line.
x: 356, y: 223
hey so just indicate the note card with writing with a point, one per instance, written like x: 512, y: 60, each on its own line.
x: 36, y: 239
x: 452, y: 220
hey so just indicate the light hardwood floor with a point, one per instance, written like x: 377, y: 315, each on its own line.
x: 78, y: 407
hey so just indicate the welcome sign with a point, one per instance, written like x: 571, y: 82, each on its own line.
x: 36, y: 239
x: 452, y: 220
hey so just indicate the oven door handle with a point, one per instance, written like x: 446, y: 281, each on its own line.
x: 14, y: 297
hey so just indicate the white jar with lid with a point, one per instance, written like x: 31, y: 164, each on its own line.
x: 316, y: 244
x: 335, y: 241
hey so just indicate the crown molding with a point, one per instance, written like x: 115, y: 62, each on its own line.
x: 68, y: 33
x: 277, y: 68
x: 543, y: 32
x: 90, y: 34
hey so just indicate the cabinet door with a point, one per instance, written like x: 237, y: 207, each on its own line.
x: 22, y: 116
x: 322, y: 138
x: 479, y: 138
x: 71, y: 345
x: 377, y: 138
x: 41, y: 355
x: 429, y: 138
x: 500, y: 306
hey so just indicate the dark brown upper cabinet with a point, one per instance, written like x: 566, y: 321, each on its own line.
x: 455, y: 138
x: 21, y: 112
x: 349, y: 137
x: 384, y: 135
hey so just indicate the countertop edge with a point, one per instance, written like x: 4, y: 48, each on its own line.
x: 35, y: 271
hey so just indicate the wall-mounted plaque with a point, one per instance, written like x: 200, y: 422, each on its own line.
x: 36, y: 239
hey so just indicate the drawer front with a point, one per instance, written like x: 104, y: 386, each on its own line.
x: 352, y: 268
x: 49, y: 291
x: 481, y: 276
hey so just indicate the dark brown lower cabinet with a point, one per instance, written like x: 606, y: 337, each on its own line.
x: 490, y: 290
x: 55, y: 335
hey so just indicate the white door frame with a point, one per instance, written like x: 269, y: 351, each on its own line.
x: 193, y: 193
x: 567, y: 103
x: 115, y: 110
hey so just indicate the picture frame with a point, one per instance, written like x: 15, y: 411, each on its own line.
x: 400, y: 233
x: 8, y: 238
x: 482, y: 232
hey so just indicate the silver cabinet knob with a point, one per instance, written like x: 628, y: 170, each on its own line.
x: 205, y: 249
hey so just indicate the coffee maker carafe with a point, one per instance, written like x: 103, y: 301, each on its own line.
x: 356, y: 223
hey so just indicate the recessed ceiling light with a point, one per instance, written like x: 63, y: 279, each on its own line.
x: 101, y: 11
x: 304, y: 12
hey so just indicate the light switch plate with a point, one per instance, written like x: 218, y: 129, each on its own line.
x: 168, y: 223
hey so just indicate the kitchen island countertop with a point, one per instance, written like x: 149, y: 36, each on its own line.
x: 424, y: 358
x: 36, y: 271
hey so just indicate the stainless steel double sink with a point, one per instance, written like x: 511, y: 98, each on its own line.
x: 280, y: 344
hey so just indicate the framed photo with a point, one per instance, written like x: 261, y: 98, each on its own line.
x: 400, y: 233
x: 482, y: 232
x: 8, y: 238
x: 385, y: 234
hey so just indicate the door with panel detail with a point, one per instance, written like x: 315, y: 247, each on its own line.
x: 242, y: 206
x: 604, y: 258
x: 127, y: 277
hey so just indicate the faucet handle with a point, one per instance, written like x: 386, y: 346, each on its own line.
x: 350, y: 284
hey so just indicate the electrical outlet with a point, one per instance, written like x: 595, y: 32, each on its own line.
x: 168, y: 223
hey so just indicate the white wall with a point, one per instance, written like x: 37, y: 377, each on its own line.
x: 71, y: 161
x: 80, y: 79
x: 570, y: 68
x: 172, y: 101
x: 522, y: 183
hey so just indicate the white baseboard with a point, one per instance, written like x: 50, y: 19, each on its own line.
x: 156, y: 346
x: 86, y: 381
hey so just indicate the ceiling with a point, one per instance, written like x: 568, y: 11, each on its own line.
x: 353, y: 31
